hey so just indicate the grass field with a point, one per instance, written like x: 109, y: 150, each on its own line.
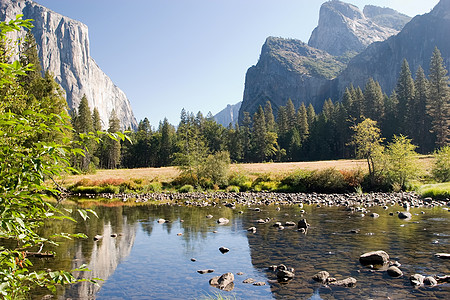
x: 166, y: 174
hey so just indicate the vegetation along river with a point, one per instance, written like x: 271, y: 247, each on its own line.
x: 149, y: 259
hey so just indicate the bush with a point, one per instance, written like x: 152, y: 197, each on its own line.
x: 440, y: 190
x: 327, y: 181
x: 155, y: 187
x: 186, y: 189
x: 296, y: 182
x: 353, y: 178
x: 233, y: 189
x: 441, y: 166
x: 239, y: 180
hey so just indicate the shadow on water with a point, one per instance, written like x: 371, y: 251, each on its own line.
x: 152, y: 260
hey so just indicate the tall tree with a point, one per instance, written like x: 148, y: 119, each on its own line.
x: 113, y: 145
x: 374, y: 100
x: 422, y: 134
x: 83, y: 125
x: 270, y: 119
x: 405, y: 95
x: 302, y: 122
x: 439, y: 99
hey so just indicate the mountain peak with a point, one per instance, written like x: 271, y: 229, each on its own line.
x: 344, y: 28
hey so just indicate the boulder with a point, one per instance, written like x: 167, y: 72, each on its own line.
x: 259, y: 283
x: 205, y: 271
x: 443, y: 255
x: 249, y: 280
x: 416, y: 279
x: 224, y: 250
x: 393, y: 271
x: 321, y: 277
x: 223, y: 221
x: 303, y: 224
x: 404, y: 215
x: 348, y: 282
x: 374, y: 258
x: 224, y: 282
x: 430, y: 281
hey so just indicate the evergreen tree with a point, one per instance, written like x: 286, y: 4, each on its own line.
x: 96, y: 120
x: 84, y: 125
x: 374, y: 101
x: 246, y: 137
x: 259, y: 133
x: 439, y: 99
x: 311, y: 115
x: 302, y: 122
x: 290, y: 115
x: 270, y: 119
x: 422, y: 134
x: 405, y: 95
x: 358, y: 107
x: 113, y: 145
x: 166, y: 145
x: 391, y: 120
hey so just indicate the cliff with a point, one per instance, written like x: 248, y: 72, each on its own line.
x: 63, y: 46
x: 228, y: 115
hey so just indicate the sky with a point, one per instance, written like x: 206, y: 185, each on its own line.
x: 167, y: 55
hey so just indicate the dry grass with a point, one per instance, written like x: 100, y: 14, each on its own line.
x: 166, y: 174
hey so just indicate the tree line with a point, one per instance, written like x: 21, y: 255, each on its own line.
x: 418, y: 108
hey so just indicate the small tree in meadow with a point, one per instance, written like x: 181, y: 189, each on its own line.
x: 441, y: 166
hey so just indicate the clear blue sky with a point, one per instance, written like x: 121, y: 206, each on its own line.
x: 170, y: 54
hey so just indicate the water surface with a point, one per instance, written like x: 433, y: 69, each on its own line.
x: 150, y: 260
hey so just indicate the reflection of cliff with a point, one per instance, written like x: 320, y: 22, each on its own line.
x: 106, y: 255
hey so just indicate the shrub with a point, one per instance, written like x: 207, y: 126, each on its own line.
x: 153, y: 187
x: 328, y: 180
x: 233, y: 189
x: 441, y: 166
x: 353, y: 178
x: 187, y: 188
x: 296, y: 182
x: 440, y: 190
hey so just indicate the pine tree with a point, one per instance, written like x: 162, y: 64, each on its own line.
x: 246, y: 137
x: 166, y: 145
x: 84, y: 125
x: 96, y: 120
x: 290, y: 114
x: 259, y: 133
x: 391, y: 120
x: 270, y: 119
x: 439, y: 99
x: 374, y: 101
x: 311, y: 115
x: 113, y: 146
x: 302, y: 122
x: 405, y: 95
x: 422, y: 135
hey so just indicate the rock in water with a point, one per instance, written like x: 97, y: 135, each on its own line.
x: 321, y: 277
x: 348, y: 282
x: 374, y: 258
x: 224, y: 250
x: 223, y: 221
x: 404, y: 215
x: 224, y: 282
x: 303, y: 224
x: 394, y: 272
x: 430, y: 281
x: 416, y: 279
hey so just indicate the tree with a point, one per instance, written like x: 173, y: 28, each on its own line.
x: 25, y: 163
x: 405, y: 95
x: 270, y: 119
x: 402, y: 165
x: 367, y: 139
x: 438, y: 106
x: 84, y: 125
x: 422, y: 133
x: 165, y: 152
x: 302, y: 122
x: 112, y: 144
x: 441, y: 165
x: 374, y: 101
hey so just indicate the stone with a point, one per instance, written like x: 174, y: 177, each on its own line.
x: 321, y: 277
x: 223, y: 221
x: 205, y: 271
x: 303, y: 224
x: 394, y: 271
x: 209, y: 216
x: 374, y: 258
x: 193, y: 259
x: 98, y: 237
x: 240, y: 273
x: 289, y: 223
x: 249, y: 280
x: 259, y: 283
x: 252, y: 229
x: 348, y: 282
x: 161, y: 221
x: 63, y: 48
x: 416, y: 279
x: 374, y: 215
x: 443, y: 255
x: 224, y: 250
x: 224, y: 282
x: 404, y: 215
x: 430, y: 281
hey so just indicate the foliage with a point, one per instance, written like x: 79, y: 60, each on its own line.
x: 186, y: 189
x: 437, y: 191
x: 328, y: 180
x: 402, y: 165
x: 298, y: 181
x: 441, y: 166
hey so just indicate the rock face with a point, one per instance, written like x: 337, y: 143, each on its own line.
x: 344, y: 28
x: 228, y: 115
x: 63, y: 46
x: 415, y: 43
x: 291, y: 69
x: 288, y: 69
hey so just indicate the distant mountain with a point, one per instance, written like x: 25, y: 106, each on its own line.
x: 415, y: 43
x: 290, y: 69
x: 345, y: 28
x: 63, y: 46
x: 228, y: 115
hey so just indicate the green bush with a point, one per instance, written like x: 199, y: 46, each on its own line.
x: 232, y: 189
x: 187, y: 188
x: 440, y: 190
x: 441, y: 166
x: 296, y: 182
x: 155, y: 187
x: 327, y: 181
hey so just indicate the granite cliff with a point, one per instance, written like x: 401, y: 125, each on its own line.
x: 228, y: 115
x: 63, y: 46
x: 291, y: 69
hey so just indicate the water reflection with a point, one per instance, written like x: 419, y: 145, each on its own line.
x: 149, y: 260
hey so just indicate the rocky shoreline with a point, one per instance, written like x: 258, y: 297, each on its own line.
x: 405, y: 199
